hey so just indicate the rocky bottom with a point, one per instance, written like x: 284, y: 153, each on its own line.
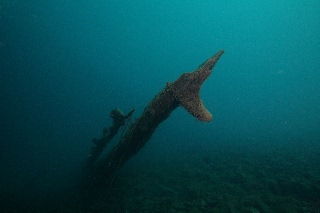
x: 205, y: 181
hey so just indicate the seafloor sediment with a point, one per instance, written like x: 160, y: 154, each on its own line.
x: 221, y: 181
x: 204, y: 180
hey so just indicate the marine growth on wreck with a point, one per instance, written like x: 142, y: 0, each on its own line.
x: 184, y: 92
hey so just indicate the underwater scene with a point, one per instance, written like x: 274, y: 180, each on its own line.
x: 160, y: 106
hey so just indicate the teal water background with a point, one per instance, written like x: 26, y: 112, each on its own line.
x: 64, y: 65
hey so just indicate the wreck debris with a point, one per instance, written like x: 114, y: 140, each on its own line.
x: 185, y: 92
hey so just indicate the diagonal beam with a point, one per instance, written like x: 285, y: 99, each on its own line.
x: 182, y: 92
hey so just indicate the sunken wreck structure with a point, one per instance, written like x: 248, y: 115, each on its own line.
x: 184, y: 92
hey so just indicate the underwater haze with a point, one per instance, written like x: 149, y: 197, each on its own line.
x: 64, y: 65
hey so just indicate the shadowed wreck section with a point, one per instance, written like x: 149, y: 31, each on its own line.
x: 185, y: 92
